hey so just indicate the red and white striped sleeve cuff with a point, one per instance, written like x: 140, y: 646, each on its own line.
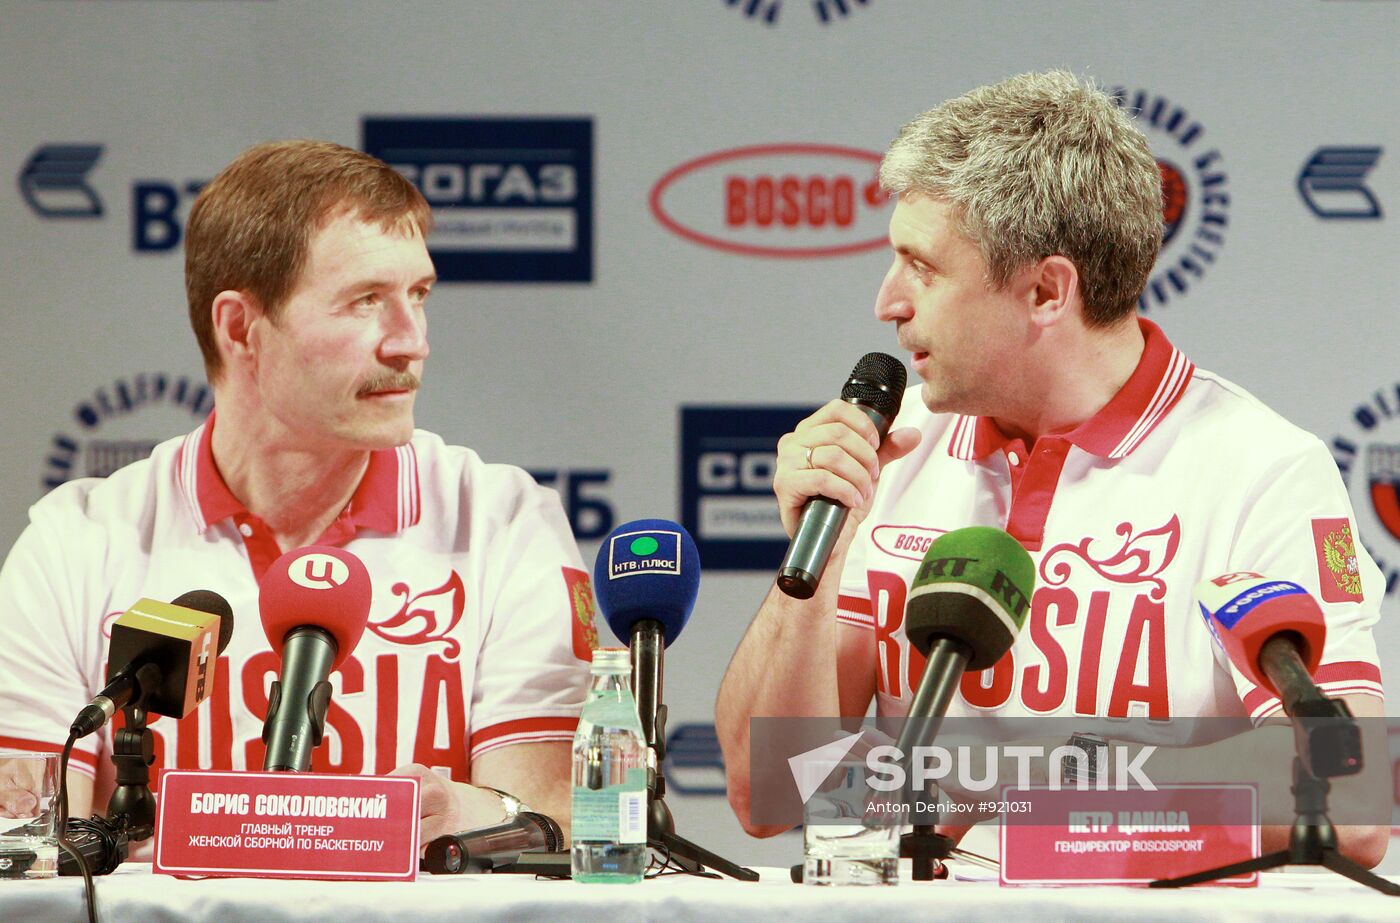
x: 81, y: 760
x: 855, y: 611
x: 1346, y: 677
x: 521, y: 730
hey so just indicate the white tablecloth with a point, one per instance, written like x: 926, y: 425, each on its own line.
x: 134, y: 895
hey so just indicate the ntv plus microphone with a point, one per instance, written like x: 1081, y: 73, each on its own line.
x: 1273, y: 631
x: 314, y: 603
x: 485, y: 848
x: 967, y: 604
x: 162, y: 658
x: 646, y: 576
x: 876, y: 386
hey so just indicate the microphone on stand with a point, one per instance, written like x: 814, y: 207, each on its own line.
x: 876, y: 386
x: 1273, y: 631
x: 162, y: 658
x: 647, y: 576
x: 968, y: 601
x: 314, y: 603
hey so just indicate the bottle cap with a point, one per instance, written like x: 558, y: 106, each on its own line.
x: 612, y: 660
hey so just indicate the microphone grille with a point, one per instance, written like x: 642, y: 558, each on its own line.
x: 878, y: 382
x: 553, y: 836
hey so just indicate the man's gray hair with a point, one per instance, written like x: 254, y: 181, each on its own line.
x: 1036, y: 165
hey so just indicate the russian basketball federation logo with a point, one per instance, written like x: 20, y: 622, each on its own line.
x: 1367, y: 453
x: 1195, y: 195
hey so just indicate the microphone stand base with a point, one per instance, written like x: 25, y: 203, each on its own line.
x: 1312, y: 841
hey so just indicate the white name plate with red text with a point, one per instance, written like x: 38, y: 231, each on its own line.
x: 1127, y: 837
x: 287, y: 825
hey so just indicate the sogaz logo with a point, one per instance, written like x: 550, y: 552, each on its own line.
x: 799, y: 201
x: 728, y: 456
x: 512, y: 198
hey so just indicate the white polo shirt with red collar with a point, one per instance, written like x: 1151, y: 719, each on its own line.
x: 1181, y: 477
x: 480, y: 631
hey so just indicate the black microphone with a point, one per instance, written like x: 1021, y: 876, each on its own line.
x: 876, y: 386
x: 967, y: 603
x: 484, y: 848
x: 314, y: 603
x: 160, y: 658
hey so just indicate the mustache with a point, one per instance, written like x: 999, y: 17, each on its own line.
x: 391, y: 381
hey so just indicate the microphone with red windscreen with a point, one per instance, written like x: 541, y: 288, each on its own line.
x: 314, y: 603
x: 1274, y: 631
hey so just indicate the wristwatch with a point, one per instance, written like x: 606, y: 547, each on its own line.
x: 512, y: 804
x: 1093, y: 746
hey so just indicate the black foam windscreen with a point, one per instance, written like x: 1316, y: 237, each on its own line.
x: 214, y: 604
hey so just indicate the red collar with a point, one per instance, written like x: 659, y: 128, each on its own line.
x: 1155, y: 386
x: 386, y: 500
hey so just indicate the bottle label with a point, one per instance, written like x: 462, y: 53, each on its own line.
x: 615, y: 814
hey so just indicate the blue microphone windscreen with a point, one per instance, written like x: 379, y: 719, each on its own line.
x: 647, y: 569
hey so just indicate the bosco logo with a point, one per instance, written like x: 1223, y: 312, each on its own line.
x: 1195, y: 195
x: 777, y: 200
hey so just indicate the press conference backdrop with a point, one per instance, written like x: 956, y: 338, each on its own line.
x: 659, y: 241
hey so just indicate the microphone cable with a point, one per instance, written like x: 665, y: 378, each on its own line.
x: 89, y: 888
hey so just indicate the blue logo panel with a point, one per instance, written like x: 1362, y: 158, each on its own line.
x: 728, y: 456
x: 512, y: 198
x: 1236, y: 609
x: 654, y: 551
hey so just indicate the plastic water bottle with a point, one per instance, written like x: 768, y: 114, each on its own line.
x: 609, y: 816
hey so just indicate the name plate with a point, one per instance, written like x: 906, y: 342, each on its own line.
x: 1128, y: 837
x: 287, y: 825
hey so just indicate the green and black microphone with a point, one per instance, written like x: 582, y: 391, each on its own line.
x: 968, y: 602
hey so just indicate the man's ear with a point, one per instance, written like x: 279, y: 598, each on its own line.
x: 235, y: 314
x: 1052, y: 290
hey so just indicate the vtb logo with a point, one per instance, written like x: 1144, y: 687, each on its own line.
x: 319, y: 572
x: 1333, y: 183
x: 54, y: 181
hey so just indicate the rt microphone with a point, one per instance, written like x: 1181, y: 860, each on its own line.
x: 1273, y: 631
x: 967, y: 603
x: 876, y: 386
x: 162, y: 658
x: 314, y: 603
x: 647, y: 575
x: 485, y: 848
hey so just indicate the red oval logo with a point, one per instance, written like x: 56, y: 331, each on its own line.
x: 788, y: 201
x: 905, y: 541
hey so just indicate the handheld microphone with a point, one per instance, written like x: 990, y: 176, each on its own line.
x: 1273, y: 631
x: 162, y: 658
x: 646, y: 576
x: 876, y: 386
x: 485, y: 848
x: 314, y: 603
x: 967, y: 603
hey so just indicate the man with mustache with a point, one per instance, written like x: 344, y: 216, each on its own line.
x: 1028, y: 220
x: 307, y: 276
